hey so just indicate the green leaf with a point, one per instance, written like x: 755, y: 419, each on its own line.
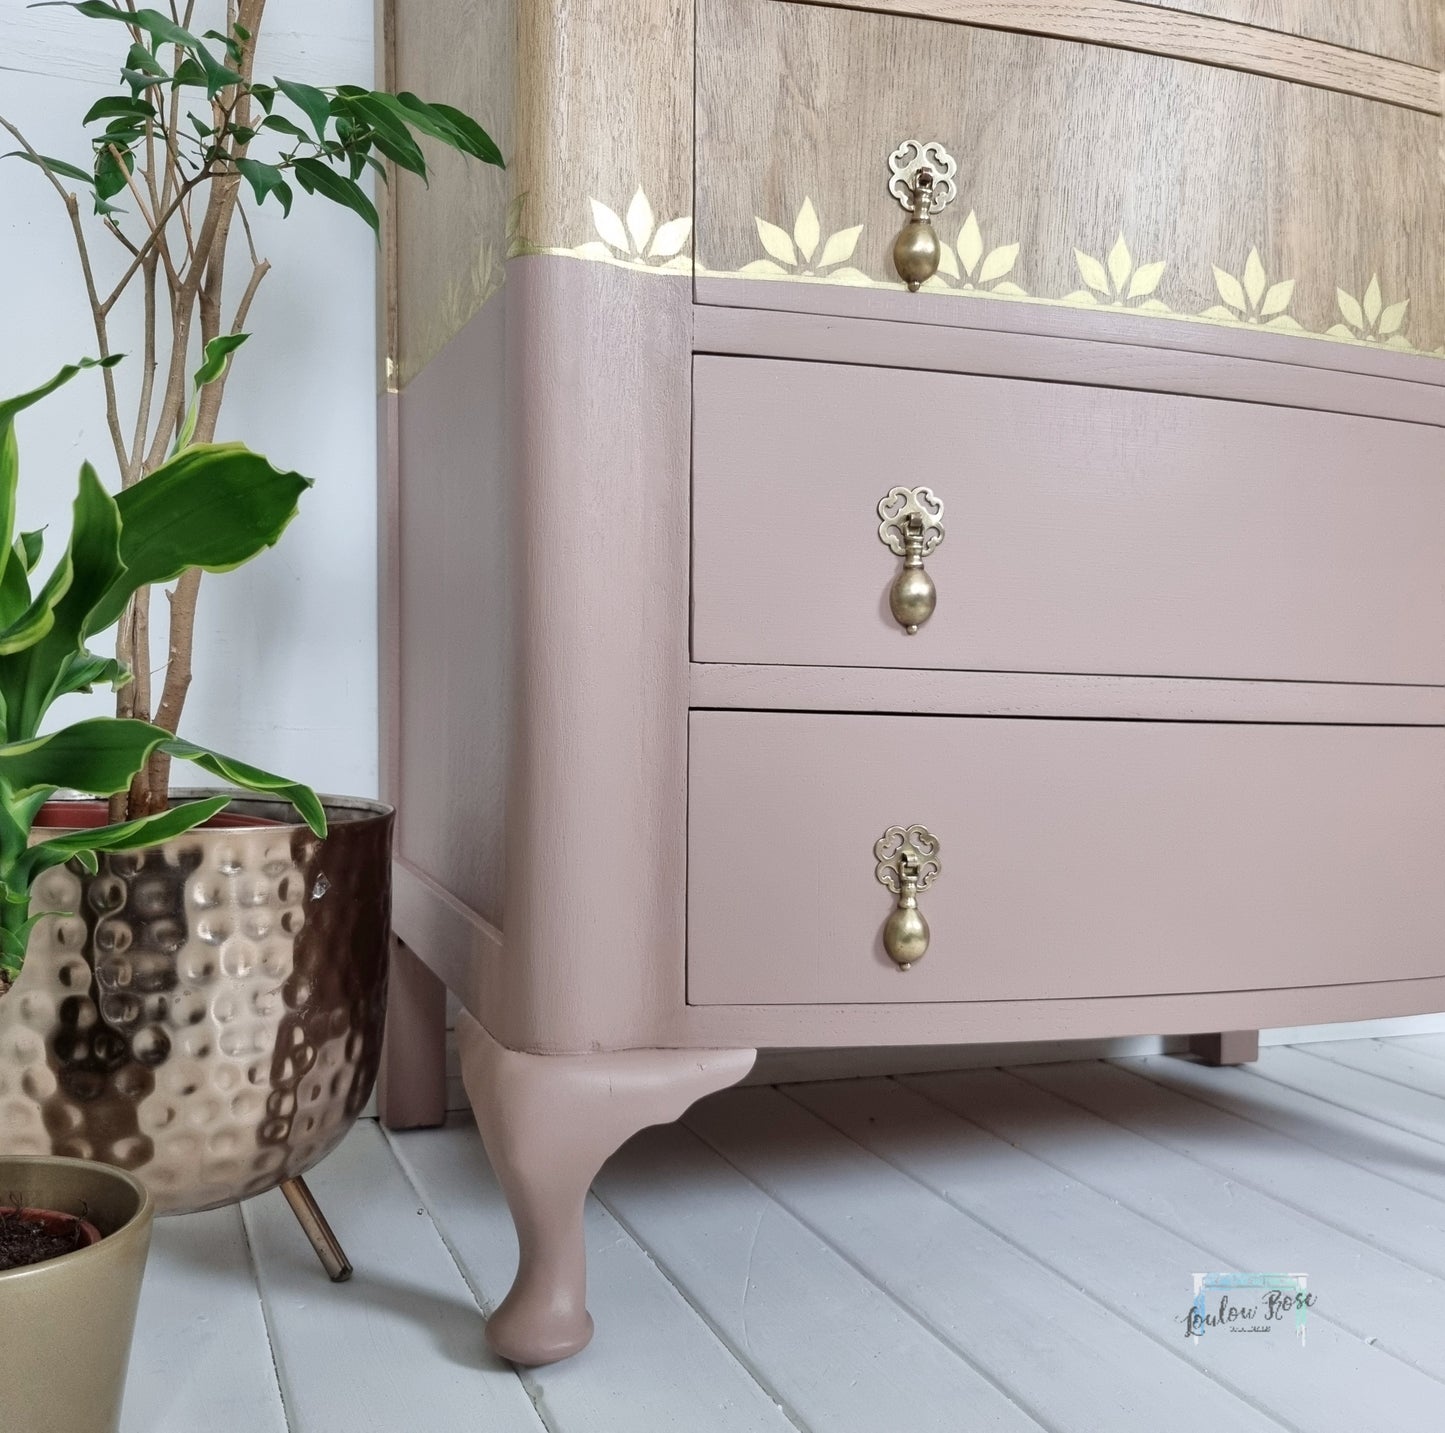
x: 451, y: 126
x: 141, y: 60
x: 313, y: 103
x: 218, y: 75
x: 189, y: 72
x: 39, y: 617
x: 152, y: 22
x: 282, y: 125
x: 232, y: 47
x: 315, y: 178
x: 119, y: 106
x: 56, y: 166
x: 9, y: 450
x: 31, y: 679
x: 213, y: 365
x: 85, y: 669
x: 14, y: 586
x: 266, y: 179
x: 113, y: 168
x: 124, y: 836
x: 100, y: 757
x: 29, y: 547
x: 218, y: 350
x: 393, y: 138
x: 212, y: 506
x: 252, y: 778
x: 264, y: 95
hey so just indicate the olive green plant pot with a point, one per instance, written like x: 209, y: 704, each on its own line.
x: 67, y: 1323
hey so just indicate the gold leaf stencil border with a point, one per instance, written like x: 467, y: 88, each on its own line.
x: 807, y: 251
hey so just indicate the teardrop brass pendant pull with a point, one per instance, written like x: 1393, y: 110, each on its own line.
x: 922, y: 181
x: 907, y: 864
x: 911, y: 526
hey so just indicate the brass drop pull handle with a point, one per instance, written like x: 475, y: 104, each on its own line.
x: 921, y: 179
x: 907, y: 864
x: 911, y: 526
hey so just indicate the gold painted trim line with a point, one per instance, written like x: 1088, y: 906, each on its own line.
x: 1204, y: 39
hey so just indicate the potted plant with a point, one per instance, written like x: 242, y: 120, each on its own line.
x: 206, y: 1009
x: 73, y: 1233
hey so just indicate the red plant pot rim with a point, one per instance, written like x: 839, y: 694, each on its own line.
x: 82, y: 815
x: 53, y: 1219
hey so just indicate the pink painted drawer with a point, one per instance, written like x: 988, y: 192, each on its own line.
x: 1079, y: 858
x: 1087, y: 529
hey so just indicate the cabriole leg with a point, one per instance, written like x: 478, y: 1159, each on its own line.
x: 1226, y: 1047
x: 548, y: 1123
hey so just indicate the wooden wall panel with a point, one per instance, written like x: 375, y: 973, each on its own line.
x: 1125, y: 180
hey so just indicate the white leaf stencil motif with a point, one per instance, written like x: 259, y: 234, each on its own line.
x: 947, y: 264
x: 1350, y: 307
x: 762, y: 266
x: 1253, y: 277
x: 1372, y: 301
x: 776, y: 242
x: 1146, y: 279
x: 670, y: 238
x: 1393, y: 317
x: 640, y: 220
x: 840, y: 246
x: 1093, y: 272
x: 609, y: 226
x: 970, y: 244
x: 805, y: 231
x: 1229, y: 288
x: 1276, y: 300
x: 998, y: 263
x: 1120, y: 263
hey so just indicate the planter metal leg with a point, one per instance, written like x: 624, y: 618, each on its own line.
x: 318, y: 1231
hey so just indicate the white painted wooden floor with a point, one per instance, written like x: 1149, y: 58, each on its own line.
x: 995, y: 1250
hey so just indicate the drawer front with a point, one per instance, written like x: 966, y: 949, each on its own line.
x: 1089, y: 175
x: 1078, y: 858
x: 1085, y: 529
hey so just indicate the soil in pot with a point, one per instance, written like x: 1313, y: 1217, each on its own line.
x: 31, y: 1236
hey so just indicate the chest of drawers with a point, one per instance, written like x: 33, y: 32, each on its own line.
x: 674, y: 782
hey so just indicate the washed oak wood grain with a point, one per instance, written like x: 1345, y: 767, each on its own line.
x: 1063, y: 146
x: 1166, y: 30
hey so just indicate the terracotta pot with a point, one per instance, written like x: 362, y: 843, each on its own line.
x: 68, y: 1322
x: 208, y: 1012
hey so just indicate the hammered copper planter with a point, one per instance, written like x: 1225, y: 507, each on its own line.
x: 68, y: 1322
x: 209, y: 1013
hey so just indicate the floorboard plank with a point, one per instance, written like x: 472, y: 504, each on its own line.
x: 1139, y: 1128
x: 1122, y: 1252
x: 201, y: 1357
x: 1421, y: 1073
x: 1357, y: 1139
x: 653, y: 1363
x: 1008, y: 1314
x: 400, y: 1346
x: 1383, y: 1100
x: 837, y: 1353
x: 1432, y: 1045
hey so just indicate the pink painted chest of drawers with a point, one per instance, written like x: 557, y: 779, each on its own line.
x: 1166, y: 755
